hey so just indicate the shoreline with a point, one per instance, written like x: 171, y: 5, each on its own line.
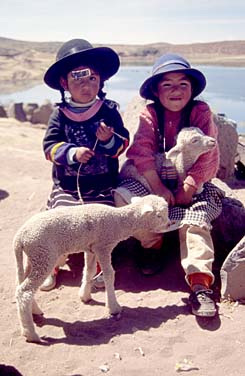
x: 14, y: 85
x: 19, y: 84
x: 229, y: 63
x: 19, y: 78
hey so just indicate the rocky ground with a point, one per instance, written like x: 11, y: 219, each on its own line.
x: 156, y: 334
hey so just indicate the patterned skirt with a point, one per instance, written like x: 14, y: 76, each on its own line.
x: 62, y: 197
x: 205, y: 207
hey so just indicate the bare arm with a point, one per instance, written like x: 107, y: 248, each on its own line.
x: 158, y: 187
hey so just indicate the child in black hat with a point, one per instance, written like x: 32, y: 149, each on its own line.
x: 172, y: 89
x: 85, y: 134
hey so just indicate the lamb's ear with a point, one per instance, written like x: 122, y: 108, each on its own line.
x: 146, y: 209
x: 172, y: 152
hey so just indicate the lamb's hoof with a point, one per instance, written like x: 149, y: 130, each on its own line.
x: 116, y: 313
x: 115, y: 316
x: 32, y: 337
x: 86, y: 299
x: 36, y: 310
x: 85, y: 294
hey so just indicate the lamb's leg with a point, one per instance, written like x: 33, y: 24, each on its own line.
x: 25, y: 292
x: 104, y: 257
x: 88, y: 273
x: 36, y: 310
x: 24, y: 298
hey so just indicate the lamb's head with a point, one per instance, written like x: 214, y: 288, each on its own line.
x: 154, y: 209
x: 194, y: 142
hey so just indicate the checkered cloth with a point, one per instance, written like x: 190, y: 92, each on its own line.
x: 205, y: 207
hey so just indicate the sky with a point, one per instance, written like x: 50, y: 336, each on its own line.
x: 123, y: 21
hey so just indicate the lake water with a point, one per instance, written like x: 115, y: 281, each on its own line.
x: 225, y: 91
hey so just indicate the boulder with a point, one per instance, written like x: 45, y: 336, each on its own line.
x: 232, y: 273
x: 3, y: 113
x: 131, y: 114
x: 228, y: 141
x: 28, y: 108
x: 229, y: 227
x: 15, y: 110
x: 42, y: 113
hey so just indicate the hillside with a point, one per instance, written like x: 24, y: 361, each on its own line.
x: 22, y: 63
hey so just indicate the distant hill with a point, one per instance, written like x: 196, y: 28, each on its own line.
x: 225, y: 52
x: 23, y: 63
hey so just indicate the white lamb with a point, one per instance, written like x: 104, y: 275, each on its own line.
x: 191, y: 143
x: 95, y: 229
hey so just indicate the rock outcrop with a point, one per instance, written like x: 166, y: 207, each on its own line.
x: 233, y: 273
x: 229, y: 227
x: 227, y: 140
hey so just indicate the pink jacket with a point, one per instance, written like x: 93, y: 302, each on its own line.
x: 146, y: 142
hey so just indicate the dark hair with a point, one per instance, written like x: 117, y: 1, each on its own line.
x: 184, y: 118
x: 101, y: 94
x: 154, y: 83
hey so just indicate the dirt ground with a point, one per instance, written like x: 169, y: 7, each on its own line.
x: 156, y: 334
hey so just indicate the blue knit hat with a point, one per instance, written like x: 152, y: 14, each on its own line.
x: 172, y: 63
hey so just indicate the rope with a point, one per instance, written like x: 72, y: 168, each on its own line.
x: 78, y: 173
x: 79, y: 168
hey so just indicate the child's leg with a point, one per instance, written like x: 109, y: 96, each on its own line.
x: 197, y: 256
x: 98, y: 280
x: 50, y: 281
x: 149, y: 260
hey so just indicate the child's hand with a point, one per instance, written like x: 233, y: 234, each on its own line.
x: 184, y: 195
x: 83, y: 154
x: 104, y: 133
x: 167, y: 194
x: 158, y: 187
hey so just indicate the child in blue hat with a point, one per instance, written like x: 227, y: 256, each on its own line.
x: 172, y: 89
x: 85, y: 133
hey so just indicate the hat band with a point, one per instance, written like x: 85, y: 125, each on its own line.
x: 72, y: 51
x: 168, y: 63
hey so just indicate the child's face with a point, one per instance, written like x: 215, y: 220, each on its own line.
x: 174, y: 91
x: 82, y: 89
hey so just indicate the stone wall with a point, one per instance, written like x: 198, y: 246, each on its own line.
x: 31, y: 112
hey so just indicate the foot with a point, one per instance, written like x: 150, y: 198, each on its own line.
x: 49, y: 283
x: 98, y: 281
x: 202, y: 304
x: 150, y: 261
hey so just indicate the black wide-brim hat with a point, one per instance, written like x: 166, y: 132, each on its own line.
x: 77, y: 52
x: 172, y: 63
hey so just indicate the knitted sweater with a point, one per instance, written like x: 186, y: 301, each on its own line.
x: 146, y: 142
x: 67, y: 129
